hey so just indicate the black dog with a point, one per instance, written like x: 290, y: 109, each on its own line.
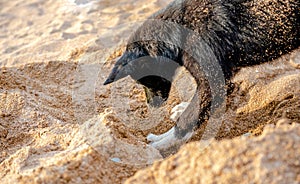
x: 212, y: 39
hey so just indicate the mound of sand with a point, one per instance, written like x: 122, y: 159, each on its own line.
x: 59, y: 124
x: 270, y: 158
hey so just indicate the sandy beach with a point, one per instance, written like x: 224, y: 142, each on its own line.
x: 59, y: 124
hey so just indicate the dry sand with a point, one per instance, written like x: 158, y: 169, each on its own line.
x: 59, y: 124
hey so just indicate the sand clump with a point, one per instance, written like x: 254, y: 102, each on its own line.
x: 59, y: 124
x: 272, y: 157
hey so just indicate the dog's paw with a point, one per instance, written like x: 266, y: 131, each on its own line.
x: 156, y: 138
x: 178, y: 110
x: 167, y: 140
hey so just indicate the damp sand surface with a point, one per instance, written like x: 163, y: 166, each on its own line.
x: 59, y: 124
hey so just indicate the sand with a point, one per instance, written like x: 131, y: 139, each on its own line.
x: 59, y: 124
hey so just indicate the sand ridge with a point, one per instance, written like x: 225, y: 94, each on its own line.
x: 59, y: 124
